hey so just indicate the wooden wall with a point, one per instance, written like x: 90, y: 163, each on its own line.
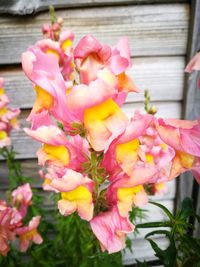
x: 158, y: 34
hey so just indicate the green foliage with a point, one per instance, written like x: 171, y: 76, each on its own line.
x: 183, y: 249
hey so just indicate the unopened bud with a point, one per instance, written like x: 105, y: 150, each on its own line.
x: 60, y: 20
x: 55, y: 27
x: 45, y: 28
x: 153, y: 110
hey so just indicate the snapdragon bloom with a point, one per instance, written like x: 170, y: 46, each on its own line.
x: 110, y: 229
x: 91, y: 57
x: 183, y: 136
x: 57, y: 149
x: 76, y: 194
x: 29, y: 234
x: 99, y: 162
x: 21, y: 198
x: 8, y: 117
x: 194, y: 64
x: 139, y: 148
x: 6, y: 233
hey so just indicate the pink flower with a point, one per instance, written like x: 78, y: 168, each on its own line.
x: 57, y: 149
x: 6, y: 234
x: 76, y: 194
x: 4, y: 131
x: 43, y: 70
x: 111, y: 229
x: 29, y: 234
x: 184, y: 137
x: 194, y: 63
x: 92, y: 57
x: 21, y: 198
x: 121, y: 194
x: 3, y: 97
x: 139, y: 152
x: 8, y: 117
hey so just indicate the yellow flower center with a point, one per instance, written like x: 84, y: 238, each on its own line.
x: 101, y: 111
x: 149, y: 159
x: 2, y: 91
x: 51, y: 51
x: 128, y: 192
x: 3, y: 135
x: 66, y: 44
x: 57, y: 153
x: 3, y: 111
x: 43, y: 101
x: 78, y: 194
x: 127, y: 150
x: 186, y: 159
x: 29, y: 234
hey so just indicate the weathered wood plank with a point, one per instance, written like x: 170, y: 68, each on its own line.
x: 22, y: 7
x: 152, y: 30
x: 142, y: 251
x: 162, y: 76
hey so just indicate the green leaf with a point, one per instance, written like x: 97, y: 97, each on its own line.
x: 158, y: 232
x: 166, y: 211
x: 154, y: 224
x: 187, y: 209
x: 141, y: 264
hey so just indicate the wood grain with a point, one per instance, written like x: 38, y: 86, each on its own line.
x: 152, y: 29
x: 22, y: 7
x: 162, y: 76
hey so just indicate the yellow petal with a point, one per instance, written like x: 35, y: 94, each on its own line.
x: 66, y: 44
x: 3, y: 135
x: 100, y: 112
x: 51, y: 51
x: 3, y: 111
x: 186, y: 159
x: 28, y: 235
x: 57, y: 153
x: 43, y: 101
x: 79, y: 194
x: 2, y: 91
x: 128, y: 192
x: 149, y: 159
x: 127, y: 151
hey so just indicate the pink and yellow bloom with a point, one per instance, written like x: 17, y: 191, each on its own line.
x: 111, y: 229
x: 29, y: 234
x: 125, y: 196
x: 6, y: 233
x: 76, y: 194
x: 139, y: 152
x: 57, y: 149
x: 92, y: 57
x: 184, y: 138
x: 21, y: 198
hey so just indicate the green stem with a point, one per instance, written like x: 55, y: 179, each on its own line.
x: 52, y: 15
x: 15, y: 175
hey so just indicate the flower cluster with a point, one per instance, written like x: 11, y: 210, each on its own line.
x: 11, y: 221
x: 8, y: 117
x: 97, y: 160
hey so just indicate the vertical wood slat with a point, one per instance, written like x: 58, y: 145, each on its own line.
x: 188, y: 187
